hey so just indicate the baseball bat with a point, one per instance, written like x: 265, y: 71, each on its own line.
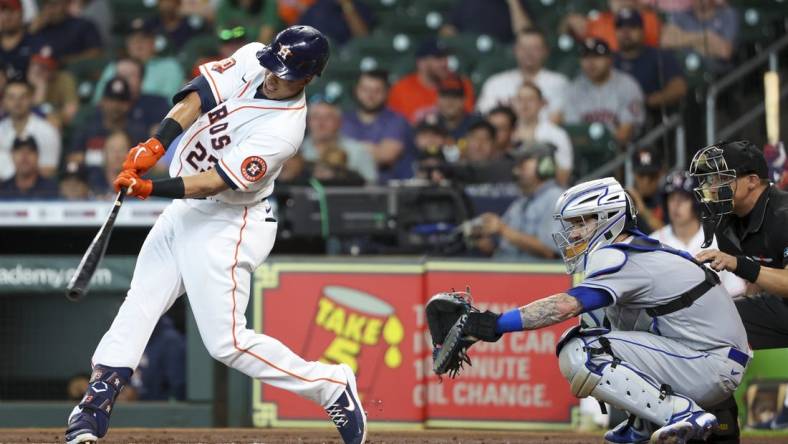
x: 771, y: 84
x: 78, y: 285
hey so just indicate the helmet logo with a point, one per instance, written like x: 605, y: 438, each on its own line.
x: 284, y: 51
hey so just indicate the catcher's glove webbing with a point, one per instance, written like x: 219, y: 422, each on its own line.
x: 455, y: 325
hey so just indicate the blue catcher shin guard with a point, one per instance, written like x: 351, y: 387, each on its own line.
x: 90, y: 419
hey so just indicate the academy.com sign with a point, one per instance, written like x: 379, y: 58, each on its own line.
x: 54, y: 278
x: 52, y: 273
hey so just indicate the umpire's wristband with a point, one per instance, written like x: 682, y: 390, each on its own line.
x: 747, y: 268
x: 172, y: 188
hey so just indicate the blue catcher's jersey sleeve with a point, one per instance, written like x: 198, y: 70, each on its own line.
x: 609, y: 270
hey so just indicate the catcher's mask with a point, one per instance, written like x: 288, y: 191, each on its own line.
x: 591, y: 214
x: 715, y: 179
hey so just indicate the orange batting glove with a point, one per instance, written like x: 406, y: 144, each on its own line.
x: 133, y: 184
x: 142, y: 157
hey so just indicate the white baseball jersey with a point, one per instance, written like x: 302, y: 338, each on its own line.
x: 247, y: 141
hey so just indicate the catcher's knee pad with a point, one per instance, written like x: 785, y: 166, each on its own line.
x: 593, y: 370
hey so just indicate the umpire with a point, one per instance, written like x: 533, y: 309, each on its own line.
x: 749, y: 217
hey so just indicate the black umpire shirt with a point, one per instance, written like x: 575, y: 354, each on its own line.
x: 763, y: 234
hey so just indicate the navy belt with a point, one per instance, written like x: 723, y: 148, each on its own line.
x: 739, y: 357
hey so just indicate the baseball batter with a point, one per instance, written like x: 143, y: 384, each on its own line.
x: 245, y: 116
x: 677, y: 344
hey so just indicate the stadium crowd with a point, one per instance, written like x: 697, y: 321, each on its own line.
x: 82, y: 81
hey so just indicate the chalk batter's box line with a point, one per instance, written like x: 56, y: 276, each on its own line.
x: 267, y: 277
x: 498, y: 425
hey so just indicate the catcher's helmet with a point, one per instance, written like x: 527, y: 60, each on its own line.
x: 296, y: 53
x: 592, y: 214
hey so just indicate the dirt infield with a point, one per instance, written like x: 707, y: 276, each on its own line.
x: 320, y: 436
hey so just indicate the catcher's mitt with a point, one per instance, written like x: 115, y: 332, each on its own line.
x: 455, y: 325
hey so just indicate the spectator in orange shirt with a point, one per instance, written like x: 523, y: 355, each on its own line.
x: 416, y: 95
x: 603, y: 25
x: 290, y: 10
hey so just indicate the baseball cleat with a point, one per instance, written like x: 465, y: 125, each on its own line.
x: 81, y: 427
x: 698, y: 425
x: 626, y: 433
x: 347, y: 414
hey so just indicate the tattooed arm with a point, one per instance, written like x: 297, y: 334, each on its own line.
x: 550, y: 310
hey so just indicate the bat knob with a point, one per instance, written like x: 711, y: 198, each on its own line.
x: 74, y: 294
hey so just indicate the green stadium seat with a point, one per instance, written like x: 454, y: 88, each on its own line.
x: 594, y: 146
x: 88, y: 69
x: 564, y: 56
x: 698, y: 77
x: 493, y: 63
x: 125, y: 11
x: 198, y: 46
x: 756, y: 25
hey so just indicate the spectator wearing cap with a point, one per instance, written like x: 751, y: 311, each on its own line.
x: 22, y: 122
x: 163, y: 75
x: 525, y: 231
x: 323, y: 123
x: 73, y: 183
x: 27, y: 181
x: 601, y: 93
x: 71, y: 38
x: 17, y: 45
x: 709, y: 28
x: 54, y: 90
x: 649, y: 170
x: 531, y: 129
x: 230, y: 39
x: 683, y: 231
x: 429, y: 136
x: 450, y: 110
x: 415, y: 95
x: 488, y: 17
x: 340, y: 20
x: 385, y: 133
x: 531, y: 51
x: 656, y: 71
x: 146, y: 109
x: 111, y: 115
x: 504, y: 119
x: 174, y: 27
x: 258, y: 18
x: 603, y: 25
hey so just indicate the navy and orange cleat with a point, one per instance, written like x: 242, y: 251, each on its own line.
x: 347, y: 414
x: 89, y: 420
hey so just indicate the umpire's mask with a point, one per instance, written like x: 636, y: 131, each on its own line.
x: 714, y: 177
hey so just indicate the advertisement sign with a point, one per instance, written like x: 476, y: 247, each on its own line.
x: 351, y: 313
x: 371, y: 317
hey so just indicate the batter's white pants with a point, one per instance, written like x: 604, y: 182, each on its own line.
x: 210, y: 250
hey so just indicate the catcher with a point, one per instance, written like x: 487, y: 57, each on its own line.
x: 676, y: 343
